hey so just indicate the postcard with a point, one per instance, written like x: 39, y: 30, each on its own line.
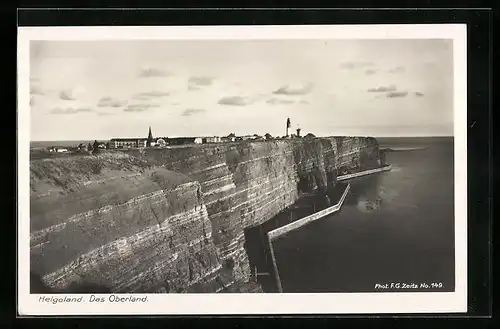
x: 316, y: 169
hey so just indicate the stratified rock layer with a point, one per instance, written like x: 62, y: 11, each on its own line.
x: 172, y: 220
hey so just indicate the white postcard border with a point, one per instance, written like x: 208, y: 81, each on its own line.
x: 325, y: 303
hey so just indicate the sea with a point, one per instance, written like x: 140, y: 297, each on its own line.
x: 395, y: 227
x: 73, y: 143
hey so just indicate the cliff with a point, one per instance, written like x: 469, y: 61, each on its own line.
x: 172, y: 219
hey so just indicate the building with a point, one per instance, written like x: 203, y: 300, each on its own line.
x: 160, y: 142
x: 258, y: 138
x: 248, y: 137
x: 184, y: 140
x: 288, y: 125
x: 119, y: 143
x: 212, y: 139
x: 58, y: 149
x: 149, y: 141
x: 82, y: 147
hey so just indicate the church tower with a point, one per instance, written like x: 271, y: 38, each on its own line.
x: 150, y: 138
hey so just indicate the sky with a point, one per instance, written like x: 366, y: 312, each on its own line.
x: 85, y: 90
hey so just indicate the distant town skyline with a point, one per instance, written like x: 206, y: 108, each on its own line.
x: 86, y: 90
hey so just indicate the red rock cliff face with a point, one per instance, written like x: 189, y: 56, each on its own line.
x: 172, y: 220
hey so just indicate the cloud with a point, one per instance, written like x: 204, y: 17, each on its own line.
x: 65, y: 95
x: 110, y: 102
x: 36, y: 90
x: 277, y: 101
x: 141, y: 97
x: 104, y: 113
x: 139, y: 107
x: 153, y: 72
x: 294, y: 90
x: 70, y: 110
x: 189, y: 112
x: 397, y: 94
x: 32, y: 101
x: 382, y: 89
x: 34, y: 79
x: 370, y: 72
x: 355, y: 65
x: 397, y: 69
x: 71, y: 94
x: 193, y: 88
x: 201, y: 81
x: 304, y: 102
x: 419, y: 94
x: 234, y: 101
x: 150, y: 94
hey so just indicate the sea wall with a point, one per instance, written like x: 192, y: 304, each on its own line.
x: 172, y: 219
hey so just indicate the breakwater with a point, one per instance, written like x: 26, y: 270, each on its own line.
x: 173, y: 220
x: 276, y: 233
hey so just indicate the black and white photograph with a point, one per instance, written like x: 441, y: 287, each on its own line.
x: 301, y: 164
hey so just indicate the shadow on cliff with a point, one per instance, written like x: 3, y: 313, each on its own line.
x: 37, y: 286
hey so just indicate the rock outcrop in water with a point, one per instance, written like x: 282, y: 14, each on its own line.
x: 172, y: 220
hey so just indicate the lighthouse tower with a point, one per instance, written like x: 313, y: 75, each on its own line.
x: 288, y: 124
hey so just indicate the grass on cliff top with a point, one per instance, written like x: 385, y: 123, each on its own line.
x: 69, y: 171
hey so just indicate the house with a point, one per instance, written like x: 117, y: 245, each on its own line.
x: 118, y: 143
x: 82, y: 147
x: 184, y: 140
x: 248, y: 137
x: 57, y: 149
x: 230, y: 138
x: 213, y: 139
x: 60, y: 150
x: 160, y: 142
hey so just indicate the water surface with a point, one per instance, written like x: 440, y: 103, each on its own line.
x: 395, y: 227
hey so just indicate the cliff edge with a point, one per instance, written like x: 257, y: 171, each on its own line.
x: 172, y: 219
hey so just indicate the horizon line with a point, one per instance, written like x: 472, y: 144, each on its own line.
x: 106, y: 139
